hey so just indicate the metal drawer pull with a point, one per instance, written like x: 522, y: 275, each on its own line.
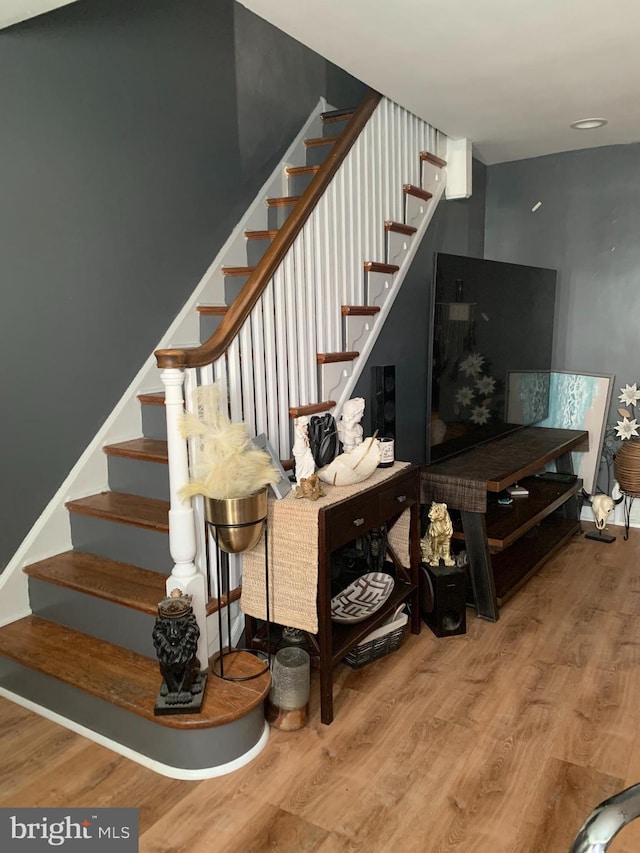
x: 401, y: 498
x: 358, y: 521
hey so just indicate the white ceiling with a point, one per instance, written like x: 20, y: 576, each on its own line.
x: 509, y: 74
x: 14, y: 11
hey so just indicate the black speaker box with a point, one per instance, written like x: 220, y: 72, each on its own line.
x: 442, y: 599
x: 383, y: 418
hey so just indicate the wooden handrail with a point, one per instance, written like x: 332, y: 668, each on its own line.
x: 243, y: 304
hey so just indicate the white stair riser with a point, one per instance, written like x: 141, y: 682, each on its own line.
x: 333, y: 377
x: 397, y: 247
x: 415, y: 210
x: 356, y: 330
x: 377, y: 286
x: 432, y: 177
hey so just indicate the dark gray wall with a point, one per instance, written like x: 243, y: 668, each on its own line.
x: 281, y: 65
x: 457, y: 227
x: 131, y: 141
x: 587, y: 227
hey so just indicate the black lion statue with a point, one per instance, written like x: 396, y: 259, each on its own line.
x: 175, y: 638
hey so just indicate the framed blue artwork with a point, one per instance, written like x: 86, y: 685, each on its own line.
x: 581, y: 401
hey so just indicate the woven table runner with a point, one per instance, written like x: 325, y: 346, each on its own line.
x: 293, y: 554
x: 457, y: 492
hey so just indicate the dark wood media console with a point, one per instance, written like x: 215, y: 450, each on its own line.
x: 507, y: 544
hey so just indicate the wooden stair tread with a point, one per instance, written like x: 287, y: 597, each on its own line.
x: 124, y: 678
x: 399, y: 228
x: 333, y: 357
x: 359, y: 310
x: 213, y: 310
x: 377, y: 266
x: 336, y: 115
x: 283, y: 201
x: 149, y: 513
x: 152, y: 398
x: 418, y: 192
x: 261, y: 235
x: 432, y: 158
x: 321, y: 140
x: 130, y: 586
x: 311, y: 409
x: 231, y: 271
x: 212, y: 604
x: 146, y: 449
x: 121, y: 583
x: 302, y: 170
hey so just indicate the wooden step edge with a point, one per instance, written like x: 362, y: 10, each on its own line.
x: 120, y: 583
x: 212, y: 310
x: 283, y: 201
x: 418, y: 192
x: 212, y: 604
x: 321, y: 140
x: 376, y: 266
x: 144, y: 449
x: 151, y: 398
x: 334, y: 357
x: 359, y: 310
x: 431, y: 158
x: 231, y: 271
x: 399, y: 228
x: 287, y: 464
x: 311, y: 409
x: 261, y: 235
x: 126, y: 679
x: 292, y: 171
x: 122, y: 508
x: 337, y: 115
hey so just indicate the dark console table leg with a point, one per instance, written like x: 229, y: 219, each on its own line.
x: 570, y: 509
x: 564, y: 463
x: 482, y: 581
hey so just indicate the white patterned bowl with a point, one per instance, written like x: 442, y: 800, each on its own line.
x: 362, y: 597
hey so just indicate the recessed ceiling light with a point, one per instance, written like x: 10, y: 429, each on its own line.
x: 588, y: 123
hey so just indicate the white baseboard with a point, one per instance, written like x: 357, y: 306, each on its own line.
x: 616, y: 519
x: 150, y: 763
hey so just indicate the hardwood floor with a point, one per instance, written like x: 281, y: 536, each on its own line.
x: 500, y: 741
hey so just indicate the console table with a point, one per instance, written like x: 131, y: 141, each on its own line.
x: 389, y: 497
x: 507, y: 544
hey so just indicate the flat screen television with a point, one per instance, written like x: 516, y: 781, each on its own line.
x: 492, y: 336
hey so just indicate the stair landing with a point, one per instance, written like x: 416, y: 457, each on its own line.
x: 112, y: 691
x: 125, y: 678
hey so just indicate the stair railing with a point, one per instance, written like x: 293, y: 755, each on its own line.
x: 267, y: 345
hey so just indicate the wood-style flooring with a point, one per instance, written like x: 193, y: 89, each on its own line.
x: 499, y: 741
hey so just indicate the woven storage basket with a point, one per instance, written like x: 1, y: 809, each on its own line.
x: 379, y: 643
x: 626, y: 467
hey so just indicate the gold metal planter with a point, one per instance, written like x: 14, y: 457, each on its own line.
x: 236, y: 523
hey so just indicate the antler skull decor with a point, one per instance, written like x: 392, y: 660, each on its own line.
x: 602, y: 507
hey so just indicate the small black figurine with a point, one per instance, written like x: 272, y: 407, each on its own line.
x: 175, y: 637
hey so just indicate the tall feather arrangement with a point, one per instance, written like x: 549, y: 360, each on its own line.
x: 224, y: 461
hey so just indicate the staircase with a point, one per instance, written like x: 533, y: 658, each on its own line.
x: 86, y: 655
x: 288, y: 316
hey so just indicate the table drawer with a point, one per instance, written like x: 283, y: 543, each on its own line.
x: 350, y: 523
x: 399, y: 496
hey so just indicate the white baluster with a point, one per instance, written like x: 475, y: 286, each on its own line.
x: 182, y: 532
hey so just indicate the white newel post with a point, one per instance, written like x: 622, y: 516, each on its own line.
x: 182, y: 531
